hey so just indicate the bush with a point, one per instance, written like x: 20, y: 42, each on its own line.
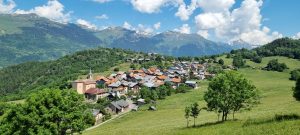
x: 257, y: 59
x: 238, y: 61
x: 221, y: 61
x: 295, y: 74
x: 274, y: 65
x: 116, y: 69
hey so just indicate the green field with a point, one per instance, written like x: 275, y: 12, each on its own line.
x: 276, y: 98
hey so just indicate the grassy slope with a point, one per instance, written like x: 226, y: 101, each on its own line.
x: 276, y: 95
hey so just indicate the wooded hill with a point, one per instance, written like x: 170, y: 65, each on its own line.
x: 16, y: 82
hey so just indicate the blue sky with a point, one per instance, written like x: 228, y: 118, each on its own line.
x: 216, y: 18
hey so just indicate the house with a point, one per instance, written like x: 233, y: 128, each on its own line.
x: 118, y: 86
x: 192, y: 84
x: 133, y: 86
x: 82, y: 85
x: 96, y: 113
x: 95, y: 94
x: 118, y: 106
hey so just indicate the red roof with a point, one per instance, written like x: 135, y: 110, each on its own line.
x: 94, y: 91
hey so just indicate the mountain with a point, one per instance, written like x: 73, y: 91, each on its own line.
x: 238, y: 44
x: 33, y: 38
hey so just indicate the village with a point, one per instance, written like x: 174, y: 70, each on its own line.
x: 122, y: 88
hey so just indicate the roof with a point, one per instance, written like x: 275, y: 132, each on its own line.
x: 176, y: 80
x: 116, y: 84
x: 162, y: 77
x: 191, y: 82
x: 95, y: 112
x: 102, y: 78
x: 95, y: 91
x: 120, y: 104
x: 149, y: 84
x: 132, y: 84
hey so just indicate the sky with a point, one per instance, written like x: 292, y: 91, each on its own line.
x: 253, y: 21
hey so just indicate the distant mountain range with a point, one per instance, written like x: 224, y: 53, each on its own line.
x: 33, y: 38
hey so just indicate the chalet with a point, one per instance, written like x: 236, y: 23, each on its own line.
x: 95, y: 94
x: 96, y: 113
x: 118, y: 106
x: 118, y: 86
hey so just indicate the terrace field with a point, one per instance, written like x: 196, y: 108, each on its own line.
x: 276, y: 99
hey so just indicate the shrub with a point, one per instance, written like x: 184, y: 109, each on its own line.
x: 274, y: 65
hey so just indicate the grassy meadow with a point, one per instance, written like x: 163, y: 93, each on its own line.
x: 276, y: 99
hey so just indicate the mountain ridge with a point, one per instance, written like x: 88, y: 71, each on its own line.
x: 33, y: 38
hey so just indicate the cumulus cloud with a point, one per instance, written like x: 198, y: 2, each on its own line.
x: 142, y: 29
x: 242, y: 23
x: 127, y: 25
x: 216, y: 5
x: 148, y: 6
x: 156, y: 26
x: 297, y: 36
x: 53, y: 10
x: 153, y: 6
x: 7, y: 6
x: 203, y: 33
x: 103, y: 16
x: 86, y: 24
x: 102, y: 1
x: 210, y: 20
x: 185, y: 11
x: 185, y: 29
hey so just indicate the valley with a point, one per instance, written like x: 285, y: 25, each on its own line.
x: 276, y: 99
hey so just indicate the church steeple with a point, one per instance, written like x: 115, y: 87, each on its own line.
x: 90, y: 76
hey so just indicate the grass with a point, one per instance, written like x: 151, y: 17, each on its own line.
x: 291, y: 63
x: 276, y: 100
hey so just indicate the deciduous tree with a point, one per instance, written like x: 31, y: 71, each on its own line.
x: 230, y: 92
x: 49, y: 111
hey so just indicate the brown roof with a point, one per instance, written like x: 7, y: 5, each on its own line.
x: 94, y: 91
x: 102, y: 78
x: 152, y: 69
x: 176, y: 80
x: 136, y: 71
x: 162, y: 77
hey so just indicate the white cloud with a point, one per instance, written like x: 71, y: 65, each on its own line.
x: 144, y: 29
x: 156, y: 26
x: 297, y: 36
x: 242, y: 23
x: 210, y: 20
x: 103, y: 16
x: 148, y: 6
x: 127, y: 25
x: 53, y: 10
x: 86, y: 24
x: 102, y: 1
x: 153, y: 6
x: 184, y: 11
x: 185, y: 29
x: 216, y: 5
x: 7, y: 7
x: 203, y: 33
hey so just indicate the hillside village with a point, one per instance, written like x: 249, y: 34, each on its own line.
x: 126, y: 85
